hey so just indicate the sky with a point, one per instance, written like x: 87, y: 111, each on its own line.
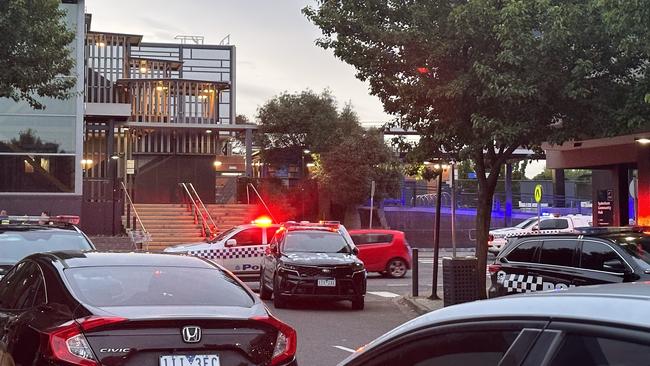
x: 275, y: 42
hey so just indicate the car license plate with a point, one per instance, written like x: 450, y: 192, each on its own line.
x: 327, y: 283
x: 189, y: 360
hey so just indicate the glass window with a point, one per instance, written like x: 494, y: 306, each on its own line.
x: 637, y: 245
x: 381, y: 238
x: 359, y: 239
x: 155, y: 286
x: 524, y: 252
x: 316, y: 241
x: 18, y: 244
x: 463, y: 348
x: 21, y: 287
x: 558, y: 252
x: 37, y: 173
x: 554, y: 224
x: 52, y: 105
x: 363, y: 239
x: 600, y: 257
x: 249, y: 237
x: 37, y: 134
x: 587, y: 351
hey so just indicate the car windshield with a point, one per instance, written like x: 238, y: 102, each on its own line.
x: 316, y: 241
x: 18, y: 244
x: 525, y: 224
x: 155, y: 286
x: 224, y: 234
x: 638, y: 246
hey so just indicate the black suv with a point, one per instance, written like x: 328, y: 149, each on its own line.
x: 589, y: 257
x: 21, y: 236
x: 312, y: 261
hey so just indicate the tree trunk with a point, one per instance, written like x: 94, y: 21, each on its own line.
x: 483, y: 220
x: 352, y: 219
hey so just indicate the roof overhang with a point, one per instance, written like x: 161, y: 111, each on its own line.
x: 190, y: 126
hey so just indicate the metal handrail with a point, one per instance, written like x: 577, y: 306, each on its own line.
x: 261, y: 199
x: 197, y: 211
x: 203, y: 205
x: 135, y: 211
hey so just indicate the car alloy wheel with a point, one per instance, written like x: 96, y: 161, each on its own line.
x: 396, y: 268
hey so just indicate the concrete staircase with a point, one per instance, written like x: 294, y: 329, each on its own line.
x: 171, y: 224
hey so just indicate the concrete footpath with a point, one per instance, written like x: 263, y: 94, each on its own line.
x: 420, y: 304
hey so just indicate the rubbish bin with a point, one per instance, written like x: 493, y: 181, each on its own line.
x: 459, y: 280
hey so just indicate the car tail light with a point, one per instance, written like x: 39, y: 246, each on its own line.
x: 494, y: 268
x: 490, y: 237
x: 67, y: 343
x: 286, y: 342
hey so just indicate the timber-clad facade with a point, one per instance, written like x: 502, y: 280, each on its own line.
x: 157, y: 114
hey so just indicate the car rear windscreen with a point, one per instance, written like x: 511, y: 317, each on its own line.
x: 18, y: 244
x: 155, y: 286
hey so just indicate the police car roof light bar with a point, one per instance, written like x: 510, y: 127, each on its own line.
x: 41, y: 220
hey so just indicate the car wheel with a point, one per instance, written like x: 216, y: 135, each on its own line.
x: 396, y: 268
x: 358, y: 303
x: 279, y: 301
x: 265, y: 293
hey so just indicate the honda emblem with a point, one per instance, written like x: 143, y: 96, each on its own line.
x: 326, y: 270
x: 191, y: 334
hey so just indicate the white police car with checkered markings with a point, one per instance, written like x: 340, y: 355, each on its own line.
x: 591, y: 256
x: 239, y: 250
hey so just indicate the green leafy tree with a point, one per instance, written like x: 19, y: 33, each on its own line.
x: 347, y: 170
x: 629, y: 20
x: 304, y: 120
x: 35, y: 58
x: 478, y: 79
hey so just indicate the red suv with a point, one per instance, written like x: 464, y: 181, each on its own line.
x: 384, y: 251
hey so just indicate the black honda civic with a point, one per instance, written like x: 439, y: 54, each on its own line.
x: 312, y: 261
x: 114, y: 309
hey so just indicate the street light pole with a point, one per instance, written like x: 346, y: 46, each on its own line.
x: 436, y: 238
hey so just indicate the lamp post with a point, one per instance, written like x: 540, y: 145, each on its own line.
x: 438, y: 169
x: 302, y: 166
x: 302, y: 188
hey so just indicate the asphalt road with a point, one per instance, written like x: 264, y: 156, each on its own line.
x: 329, y: 331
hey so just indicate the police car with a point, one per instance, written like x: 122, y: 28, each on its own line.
x: 21, y: 236
x: 240, y: 249
x: 591, y: 256
x: 546, y: 224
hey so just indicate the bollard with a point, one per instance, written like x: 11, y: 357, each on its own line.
x: 415, y: 285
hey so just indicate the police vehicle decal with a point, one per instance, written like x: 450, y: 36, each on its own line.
x: 533, y: 233
x: 229, y: 253
x: 525, y: 283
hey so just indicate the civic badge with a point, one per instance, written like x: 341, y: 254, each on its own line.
x: 191, y: 334
x: 326, y: 270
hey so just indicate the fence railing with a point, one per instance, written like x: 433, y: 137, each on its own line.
x: 199, y: 211
x: 144, y: 236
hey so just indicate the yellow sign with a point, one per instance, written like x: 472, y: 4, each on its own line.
x: 538, y: 193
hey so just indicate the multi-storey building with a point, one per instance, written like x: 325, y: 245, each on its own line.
x: 41, y: 150
x: 148, y: 117
x: 157, y: 114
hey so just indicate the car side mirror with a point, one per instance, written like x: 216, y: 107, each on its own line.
x: 355, y: 251
x: 614, y: 265
x: 231, y: 243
